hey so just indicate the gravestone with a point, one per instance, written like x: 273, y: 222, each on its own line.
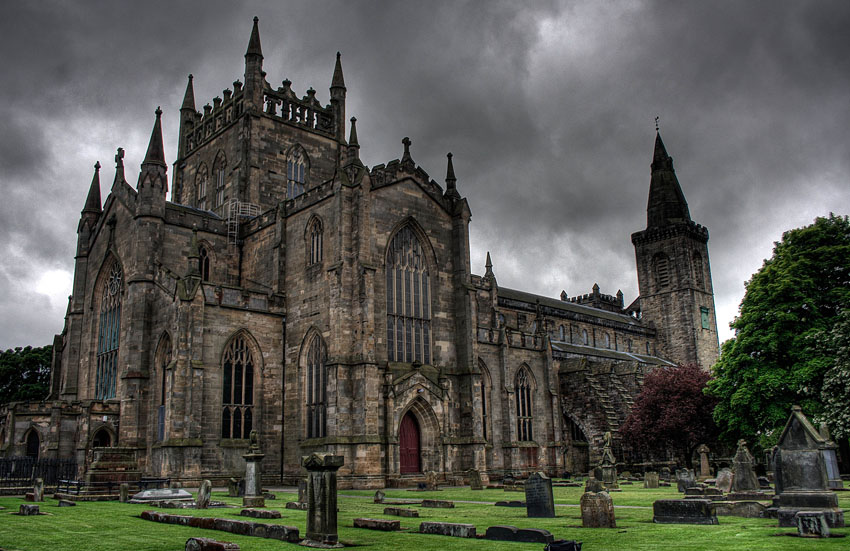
x: 650, y: 480
x: 401, y: 512
x: 513, y: 503
x: 540, y: 503
x: 124, y: 493
x: 608, y: 464
x: 253, y: 474
x: 802, y: 482
x: 724, y: 481
x: 811, y: 524
x: 475, y: 480
x: 27, y: 510
x: 597, y: 510
x: 162, y: 494
x: 682, y: 511
x: 66, y: 503
x: 379, y: 497
x: 203, y: 501
x: 437, y: 504
x: 38, y: 490
x: 381, y: 524
x: 260, y: 513
x: 206, y: 544
x: 232, y: 487
x: 704, y: 467
x: 448, y: 529
x: 302, y: 490
x: 564, y: 545
x: 431, y: 481
x: 744, y: 479
x: 685, y: 479
x: 664, y: 474
x: 321, y: 497
x: 833, y: 478
x: 593, y: 485
x: 524, y: 535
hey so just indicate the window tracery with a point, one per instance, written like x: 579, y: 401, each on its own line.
x: 238, y: 389
x: 109, y: 330
x: 408, y: 300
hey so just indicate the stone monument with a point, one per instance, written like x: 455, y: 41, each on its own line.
x: 744, y: 477
x: 723, y: 482
x: 540, y: 503
x: 704, y: 467
x: 802, y: 482
x: 321, y: 499
x: 597, y: 510
x: 685, y: 479
x: 834, y: 481
x: 253, y: 474
x: 608, y: 464
x: 38, y: 490
x: 203, y: 501
x: 475, y: 480
x: 650, y: 480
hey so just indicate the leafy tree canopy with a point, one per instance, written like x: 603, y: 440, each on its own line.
x: 773, y: 362
x: 25, y: 373
x: 672, y: 412
x: 835, y: 393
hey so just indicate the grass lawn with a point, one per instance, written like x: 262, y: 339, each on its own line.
x: 108, y: 526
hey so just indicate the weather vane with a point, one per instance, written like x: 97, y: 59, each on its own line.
x: 656, y: 124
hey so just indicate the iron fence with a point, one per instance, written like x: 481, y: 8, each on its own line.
x: 22, y: 471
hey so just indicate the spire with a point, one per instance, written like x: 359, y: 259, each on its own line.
x: 254, y: 47
x: 352, y: 138
x: 189, y: 97
x: 338, y: 81
x: 667, y: 203
x: 93, y: 198
x: 488, y: 273
x: 451, y: 181
x: 155, y: 154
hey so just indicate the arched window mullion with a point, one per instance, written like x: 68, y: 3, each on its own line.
x: 237, y: 389
x: 408, y: 310
x: 109, y: 334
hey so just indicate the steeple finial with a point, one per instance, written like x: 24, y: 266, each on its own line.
x: 352, y: 137
x: 406, y: 158
x: 338, y: 81
x: 189, y: 96
x: 254, y: 47
x: 656, y: 124
x: 155, y: 154
x: 93, y: 198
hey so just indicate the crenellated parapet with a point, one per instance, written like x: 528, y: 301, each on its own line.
x: 687, y: 229
x: 203, y: 127
x: 283, y: 105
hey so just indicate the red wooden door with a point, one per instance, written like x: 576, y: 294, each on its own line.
x: 408, y: 440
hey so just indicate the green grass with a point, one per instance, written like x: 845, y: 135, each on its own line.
x: 108, y: 526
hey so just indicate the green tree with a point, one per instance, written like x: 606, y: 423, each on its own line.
x: 773, y: 361
x: 25, y: 373
x: 835, y: 393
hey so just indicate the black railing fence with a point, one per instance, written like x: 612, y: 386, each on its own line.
x: 22, y: 471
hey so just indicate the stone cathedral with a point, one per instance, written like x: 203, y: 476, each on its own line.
x: 289, y: 289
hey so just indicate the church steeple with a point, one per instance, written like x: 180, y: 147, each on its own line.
x: 189, y: 96
x: 155, y: 154
x: 93, y: 198
x: 667, y: 204
x: 254, y: 48
x: 153, y: 183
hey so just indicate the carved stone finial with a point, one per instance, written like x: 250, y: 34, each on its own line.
x: 119, y: 157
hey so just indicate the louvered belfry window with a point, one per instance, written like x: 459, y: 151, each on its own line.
x: 237, y: 414
x: 408, y: 300
x: 109, y: 331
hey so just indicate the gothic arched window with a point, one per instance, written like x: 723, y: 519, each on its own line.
x: 163, y: 359
x: 314, y: 234
x: 201, y: 188
x: 408, y: 300
x: 204, y: 263
x: 220, y: 165
x: 296, y: 172
x: 238, y: 389
x: 108, y: 334
x: 524, y: 416
x: 317, y: 388
x: 484, y: 384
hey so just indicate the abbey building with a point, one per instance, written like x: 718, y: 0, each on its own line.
x: 289, y: 289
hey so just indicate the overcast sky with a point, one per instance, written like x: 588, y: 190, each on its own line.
x: 548, y: 108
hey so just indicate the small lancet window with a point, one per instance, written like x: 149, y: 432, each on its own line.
x: 296, y: 173
x: 317, y: 388
x: 524, y: 406
x: 315, y: 236
x: 204, y: 263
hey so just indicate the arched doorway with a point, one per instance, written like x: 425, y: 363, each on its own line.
x: 408, y: 443
x: 33, y: 443
x: 102, y: 439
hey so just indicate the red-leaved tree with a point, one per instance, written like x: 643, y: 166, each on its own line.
x: 671, y: 413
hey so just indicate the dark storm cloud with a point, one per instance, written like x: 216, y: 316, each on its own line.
x: 547, y: 107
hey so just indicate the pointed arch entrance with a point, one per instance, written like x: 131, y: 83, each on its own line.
x: 409, y: 448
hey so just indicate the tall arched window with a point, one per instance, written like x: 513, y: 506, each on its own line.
x: 524, y: 415
x: 204, y: 263
x: 201, y: 188
x: 662, y: 271
x: 238, y: 389
x: 314, y: 234
x: 296, y: 172
x: 108, y: 335
x: 317, y: 388
x: 699, y: 274
x: 163, y: 359
x: 584, y: 338
x: 484, y: 384
x: 408, y: 300
x: 220, y: 165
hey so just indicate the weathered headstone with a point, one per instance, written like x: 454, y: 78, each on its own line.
x: 597, y: 510
x: 704, y: 467
x: 744, y: 479
x: 664, y: 474
x: 513, y: 503
x: 540, y: 503
x: 66, y: 503
x: 802, y: 483
x: 685, y: 479
x: 379, y: 497
x: 260, y: 513
x: 650, y: 480
x: 321, y: 497
x: 124, y: 492
x: 592, y: 484
x: 564, y: 545
x: 448, y: 529
x: 400, y: 512
x: 724, y: 481
x: 811, y: 524
x: 681, y: 511
x: 431, y: 483
x: 302, y: 490
x: 253, y: 474
x: 203, y: 501
x: 27, y: 510
x: 206, y: 544
x: 512, y: 533
x: 381, y: 524
x: 232, y: 487
x: 437, y: 504
x: 830, y: 459
x: 744, y: 509
x: 475, y: 480
x: 38, y: 490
